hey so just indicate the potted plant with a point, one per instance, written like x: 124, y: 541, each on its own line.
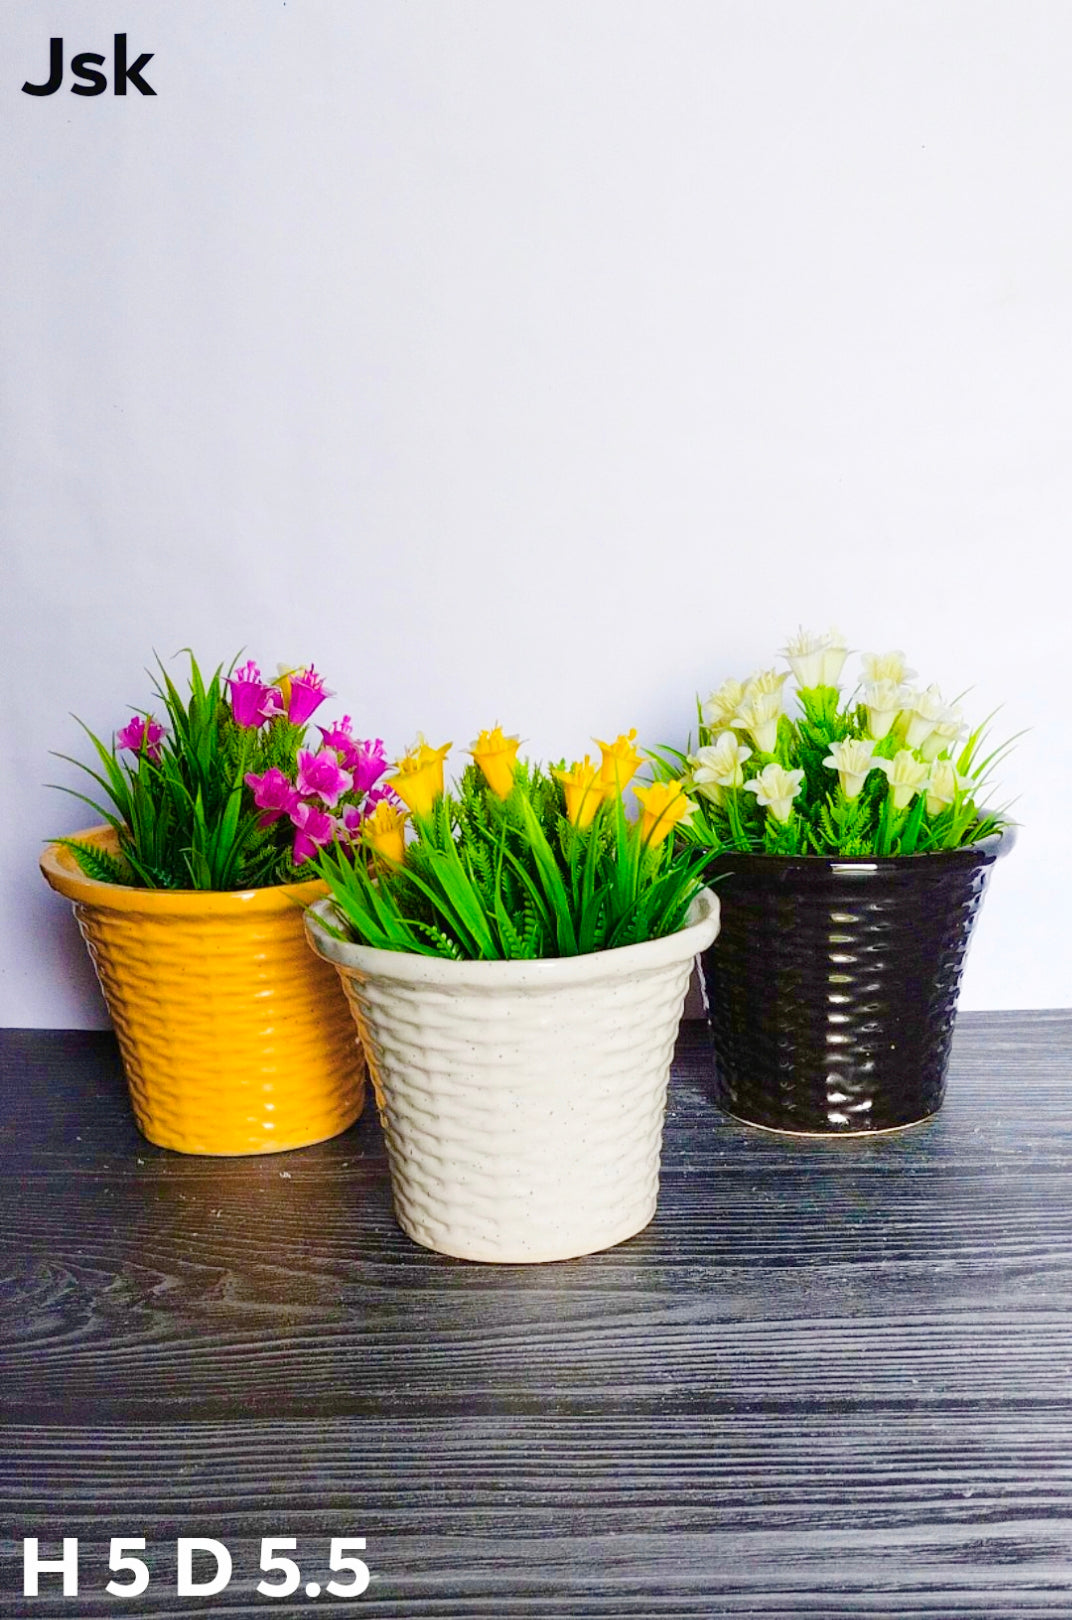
x: 852, y: 849
x: 517, y: 970
x: 191, y: 895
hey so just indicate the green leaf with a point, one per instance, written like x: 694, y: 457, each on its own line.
x: 98, y: 863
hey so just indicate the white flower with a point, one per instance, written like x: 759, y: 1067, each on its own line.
x: 768, y: 680
x: 924, y: 710
x: 852, y: 761
x: 944, y: 735
x: 816, y: 660
x: 722, y: 705
x: 943, y: 785
x: 906, y: 775
x: 759, y: 716
x: 804, y: 655
x: 835, y: 653
x: 776, y: 788
x: 884, y: 701
x: 888, y: 666
x: 719, y: 767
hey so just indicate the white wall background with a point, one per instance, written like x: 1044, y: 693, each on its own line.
x: 540, y: 361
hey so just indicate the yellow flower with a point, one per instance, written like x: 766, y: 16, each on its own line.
x: 664, y: 804
x: 419, y: 782
x: 620, y: 763
x: 496, y: 755
x: 584, y: 795
x: 382, y: 831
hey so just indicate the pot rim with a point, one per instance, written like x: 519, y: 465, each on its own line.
x: 547, y: 972
x: 62, y: 872
x: 985, y: 850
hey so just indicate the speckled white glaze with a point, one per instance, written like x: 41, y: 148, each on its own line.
x: 522, y: 1102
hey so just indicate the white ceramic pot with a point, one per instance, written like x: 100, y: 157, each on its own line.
x: 522, y: 1102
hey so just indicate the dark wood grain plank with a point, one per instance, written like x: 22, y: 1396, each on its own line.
x: 735, y: 1515
x: 802, y: 1274
x: 830, y: 1379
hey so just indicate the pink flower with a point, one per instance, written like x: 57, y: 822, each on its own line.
x: 272, y: 793
x: 380, y: 795
x: 354, y: 816
x: 305, y: 695
x: 341, y: 737
x: 363, y: 756
x: 139, y: 734
x: 323, y: 775
x: 252, y: 701
x: 315, y: 828
x: 369, y: 765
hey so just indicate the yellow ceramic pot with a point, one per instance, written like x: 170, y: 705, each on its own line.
x: 235, y: 1038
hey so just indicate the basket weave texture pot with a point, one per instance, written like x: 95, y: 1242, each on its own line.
x: 522, y: 1102
x: 833, y: 985
x: 234, y: 1037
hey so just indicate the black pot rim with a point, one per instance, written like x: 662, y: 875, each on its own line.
x: 984, y: 851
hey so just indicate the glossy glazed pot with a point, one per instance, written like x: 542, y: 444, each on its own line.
x: 522, y: 1102
x: 833, y: 985
x: 234, y: 1038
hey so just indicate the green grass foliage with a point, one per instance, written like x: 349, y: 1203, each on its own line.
x: 824, y: 821
x: 186, y: 820
x: 513, y: 879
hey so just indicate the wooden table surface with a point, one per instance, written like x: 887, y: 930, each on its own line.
x: 830, y: 1379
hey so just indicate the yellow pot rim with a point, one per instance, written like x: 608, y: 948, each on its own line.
x: 62, y: 871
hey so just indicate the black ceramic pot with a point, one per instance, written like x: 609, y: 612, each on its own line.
x: 833, y: 984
